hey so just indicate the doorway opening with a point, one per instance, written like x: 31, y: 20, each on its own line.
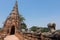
x: 12, y: 30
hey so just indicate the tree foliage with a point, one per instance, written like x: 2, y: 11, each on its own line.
x: 33, y: 28
x: 42, y: 29
x: 0, y: 28
x: 22, y: 18
x: 23, y: 25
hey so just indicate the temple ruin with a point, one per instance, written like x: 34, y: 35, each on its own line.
x: 12, y: 26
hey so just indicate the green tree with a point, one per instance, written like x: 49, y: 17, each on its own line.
x: 44, y: 29
x: 22, y: 18
x: 0, y: 28
x: 23, y: 25
x: 33, y: 28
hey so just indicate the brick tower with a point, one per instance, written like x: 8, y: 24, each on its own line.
x: 12, y: 23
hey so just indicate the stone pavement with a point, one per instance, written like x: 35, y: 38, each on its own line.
x: 11, y: 37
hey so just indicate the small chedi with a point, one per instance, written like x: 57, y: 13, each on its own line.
x: 12, y: 26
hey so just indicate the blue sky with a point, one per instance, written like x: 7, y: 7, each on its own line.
x: 36, y: 12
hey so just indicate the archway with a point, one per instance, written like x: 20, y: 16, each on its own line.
x: 12, y: 32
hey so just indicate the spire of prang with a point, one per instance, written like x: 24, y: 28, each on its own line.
x: 15, y: 8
